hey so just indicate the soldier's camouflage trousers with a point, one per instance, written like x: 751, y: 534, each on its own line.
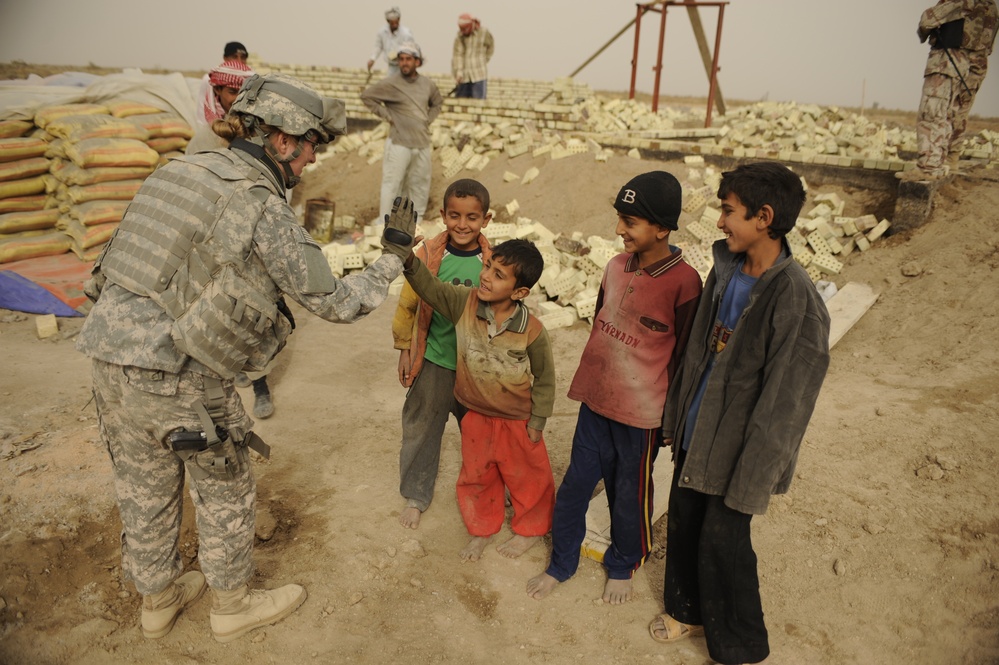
x: 137, y: 409
x: 942, y: 119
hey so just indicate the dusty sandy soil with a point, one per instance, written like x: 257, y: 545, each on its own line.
x: 886, y: 550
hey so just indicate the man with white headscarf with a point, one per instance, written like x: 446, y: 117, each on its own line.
x: 389, y: 39
x: 409, y: 103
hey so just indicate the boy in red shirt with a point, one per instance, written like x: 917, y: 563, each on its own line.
x: 644, y: 312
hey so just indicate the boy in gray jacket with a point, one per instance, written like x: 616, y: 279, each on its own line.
x: 737, y: 411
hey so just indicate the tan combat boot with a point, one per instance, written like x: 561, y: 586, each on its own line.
x: 237, y: 612
x: 160, y: 610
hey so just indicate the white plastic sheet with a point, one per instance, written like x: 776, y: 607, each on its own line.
x: 19, y: 99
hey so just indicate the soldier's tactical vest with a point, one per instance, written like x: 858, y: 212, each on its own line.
x: 186, y: 242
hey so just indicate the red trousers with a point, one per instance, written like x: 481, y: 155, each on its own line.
x: 497, y: 452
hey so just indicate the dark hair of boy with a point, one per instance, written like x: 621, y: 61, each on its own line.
x: 523, y: 257
x: 232, y: 49
x: 766, y: 183
x: 468, y: 187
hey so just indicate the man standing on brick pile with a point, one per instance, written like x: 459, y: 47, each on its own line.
x: 962, y: 34
x: 389, y: 39
x: 409, y: 103
x: 473, y: 48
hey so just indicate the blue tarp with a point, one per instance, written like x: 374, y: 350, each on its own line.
x: 22, y: 295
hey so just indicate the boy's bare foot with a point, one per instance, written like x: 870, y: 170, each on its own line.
x: 617, y: 592
x: 517, y: 545
x: 541, y: 585
x: 473, y: 550
x: 410, y: 516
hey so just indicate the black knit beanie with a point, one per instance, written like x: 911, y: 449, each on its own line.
x: 655, y: 196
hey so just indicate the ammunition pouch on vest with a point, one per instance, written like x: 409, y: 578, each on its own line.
x: 186, y: 242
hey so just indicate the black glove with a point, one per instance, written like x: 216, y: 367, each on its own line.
x: 400, y: 225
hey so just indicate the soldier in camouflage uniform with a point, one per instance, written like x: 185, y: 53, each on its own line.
x: 952, y: 78
x: 188, y: 294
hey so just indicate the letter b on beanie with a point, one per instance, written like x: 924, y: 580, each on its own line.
x: 655, y: 196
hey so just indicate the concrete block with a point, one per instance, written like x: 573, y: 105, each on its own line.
x: 542, y: 234
x: 634, y: 153
x: 693, y: 200
x: 559, y: 152
x: 549, y: 307
x: 588, y: 266
x: 560, y: 319
x: 827, y: 263
x: 542, y: 150
x: 824, y: 228
x: 512, y: 207
x: 697, y: 259
x: 566, y: 279
x: 523, y: 231
x: 863, y: 244
x: 586, y: 307
x: 802, y: 255
x: 336, y: 263
x: 46, y: 326
x: 704, y: 232
x: 711, y: 216
x: 530, y: 175
x: 879, y: 230
x: 498, y: 232
x: 550, y: 272
x: 352, y: 261
x: 836, y: 227
x: 602, y: 255
x: 795, y: 239
x: 818, y: 243
x: 814, y: 273
x: 820, y: 209
x: 510, y: 177
x: 517, y: 149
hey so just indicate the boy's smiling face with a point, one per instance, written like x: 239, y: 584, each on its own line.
x: 740, y: 233
x: 464, y: 220
x: 498, y: 283
x: 639, y: 234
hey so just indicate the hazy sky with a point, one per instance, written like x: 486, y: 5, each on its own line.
x: 838, y: 52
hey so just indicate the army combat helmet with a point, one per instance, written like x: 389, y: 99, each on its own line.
x: 285, y: 103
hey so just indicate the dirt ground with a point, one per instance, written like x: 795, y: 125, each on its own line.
x: 886, y: 549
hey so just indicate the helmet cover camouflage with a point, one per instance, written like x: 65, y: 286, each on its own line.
x: 290, y: 105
